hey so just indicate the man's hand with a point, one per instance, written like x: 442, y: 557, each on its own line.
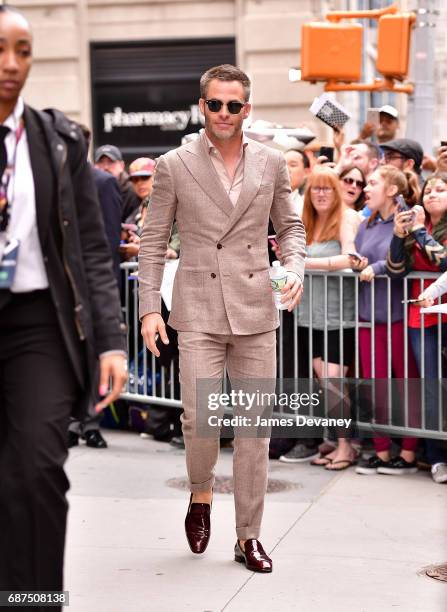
x: 153, y: 326
x: 111, y: 367
x: 367, y: 274
x: 292, y: 291
x: 368, y: 130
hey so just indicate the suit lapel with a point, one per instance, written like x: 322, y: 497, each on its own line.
x: 255, y: 160
x: 198, y: 163
x: 42, y: 172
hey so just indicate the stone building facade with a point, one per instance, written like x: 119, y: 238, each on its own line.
x: 265, y: 35
x: 87, y: 51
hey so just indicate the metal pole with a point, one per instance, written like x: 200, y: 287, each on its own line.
x: 420, y: 114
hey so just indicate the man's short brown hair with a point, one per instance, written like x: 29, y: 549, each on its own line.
x: 373, y: 150
x: 225, y: 72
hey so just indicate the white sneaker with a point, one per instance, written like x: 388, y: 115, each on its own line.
x: 299, y: 454
x: 439, y: 472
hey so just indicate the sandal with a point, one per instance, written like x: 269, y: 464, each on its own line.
x: 321, y: 461
x: 348, y: 463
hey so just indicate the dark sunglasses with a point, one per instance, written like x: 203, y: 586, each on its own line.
x: 350, y: 181
x: 234, y: 107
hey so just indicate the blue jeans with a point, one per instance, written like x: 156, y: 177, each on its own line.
x: 435, y: 452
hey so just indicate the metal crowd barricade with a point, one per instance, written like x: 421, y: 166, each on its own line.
x: 148, y: 382
x: 155, y: 385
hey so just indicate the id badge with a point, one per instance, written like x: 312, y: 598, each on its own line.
x: 8, y: 264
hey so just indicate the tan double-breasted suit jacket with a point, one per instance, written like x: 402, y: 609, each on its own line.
x: 222, y: 283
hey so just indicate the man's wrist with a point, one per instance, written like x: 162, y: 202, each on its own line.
x: 298, y: 277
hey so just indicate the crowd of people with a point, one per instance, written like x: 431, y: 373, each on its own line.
x: 379, y: 209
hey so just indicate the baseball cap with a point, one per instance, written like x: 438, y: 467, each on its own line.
x: 406, y: 147
x: 143, y: 166
x: 389, y: 110
x: 109, y: 151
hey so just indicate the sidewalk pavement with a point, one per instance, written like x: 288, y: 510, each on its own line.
x: 340, y: 542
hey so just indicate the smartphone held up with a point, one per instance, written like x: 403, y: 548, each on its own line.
x: 373, y: 117
x: 402, y: 206
x: 328, y: 153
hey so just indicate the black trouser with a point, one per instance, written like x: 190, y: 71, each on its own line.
x: 38, y: 390
x: 92, y: 421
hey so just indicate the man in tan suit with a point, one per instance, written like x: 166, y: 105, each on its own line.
x: 221, y: 189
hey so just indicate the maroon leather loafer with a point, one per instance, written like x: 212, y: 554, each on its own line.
x: 198, y: 526
x: 254, y: 557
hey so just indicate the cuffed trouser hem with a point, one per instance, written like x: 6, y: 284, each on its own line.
x: 90, y: 423
x: 248, y: 533
x: 202, y: 486
x: 75, y: 427
x: 93, y: 426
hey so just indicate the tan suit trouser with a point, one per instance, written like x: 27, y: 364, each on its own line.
x: 204, y: 356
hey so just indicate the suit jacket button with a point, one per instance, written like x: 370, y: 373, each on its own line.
x: 250, y: 275
x: 219, y: 246
x: 213, y: 275
x: 66, y: 222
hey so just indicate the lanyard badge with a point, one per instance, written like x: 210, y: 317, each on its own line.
x: 8, y: 264
x: 7, y: 172
x: 4, y: 204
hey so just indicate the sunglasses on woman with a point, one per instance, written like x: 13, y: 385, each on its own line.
x: 234, y: 106
x: 350, y: 181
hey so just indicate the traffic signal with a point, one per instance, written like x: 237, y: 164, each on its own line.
x: 331, y: 51
x: 393, y: 45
